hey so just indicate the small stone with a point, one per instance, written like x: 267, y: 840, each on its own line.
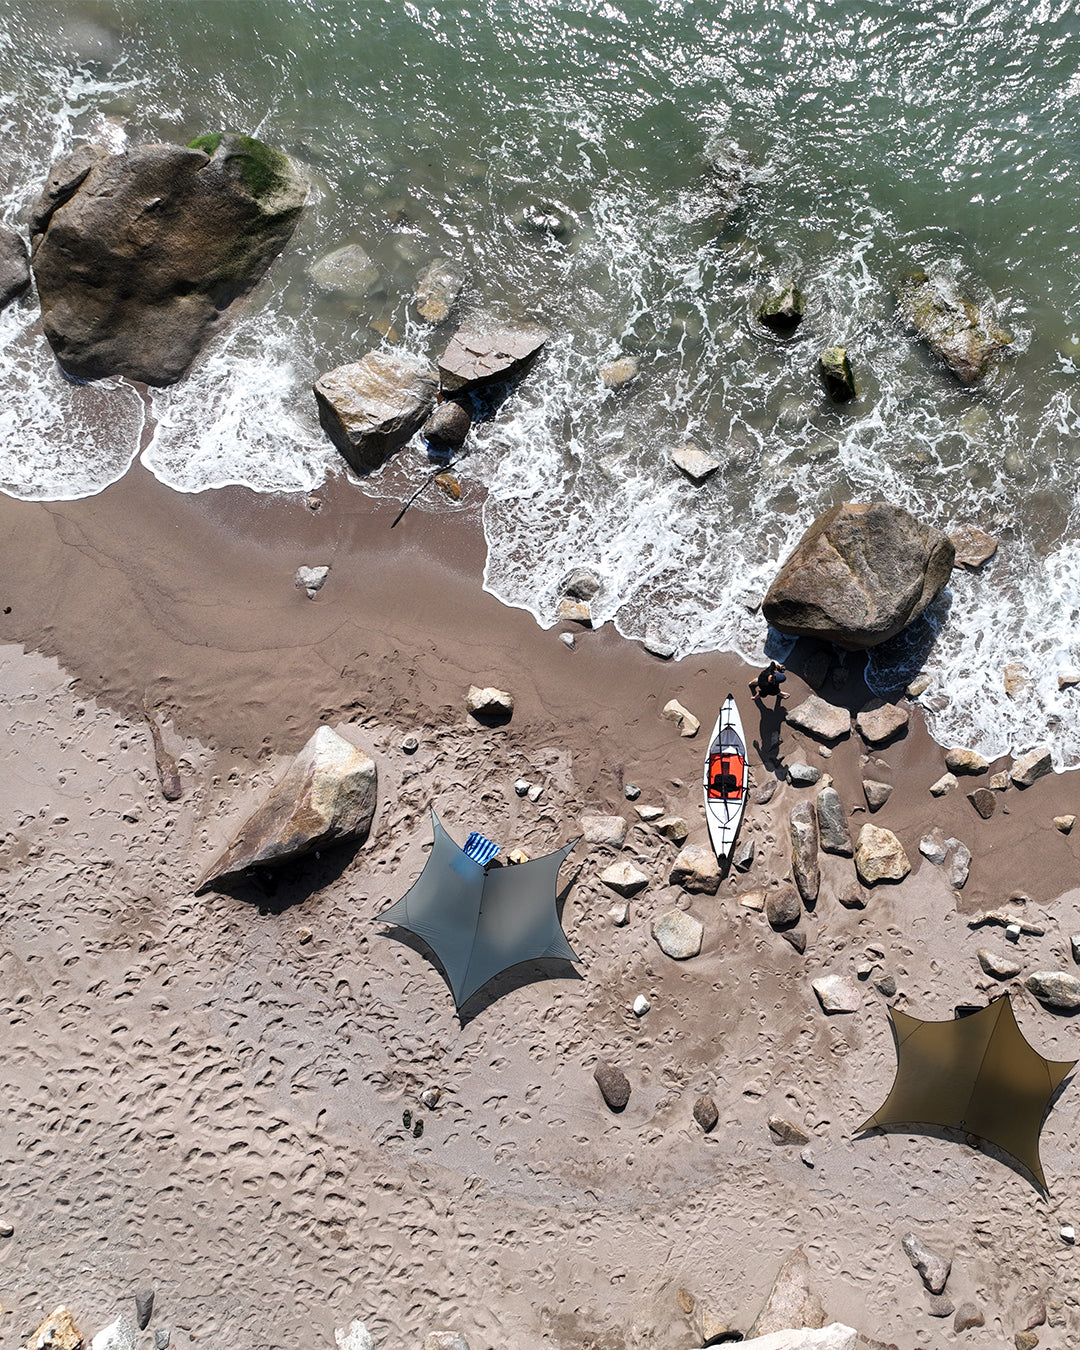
x: 613, y: 1084
x: 1031, y: 767
x: 756, y: 900
x: 693, y: 461
x: 311, y: 579
x: 1013, y: 931
x: 864, y: 970
x: 782, y: 313
x: 617, y: 374
x: 354, y: 1337
x: 685, y: 1301
x: 762, y: 795
x: 852, y: 896
x: 609, y: 830
x: 449, y: 424
x: 144, y: 1307
x: 581, y: 585
x: 879, y: 856
x: 796, y: 937
x: 673, y: 828
x: 58, y: 1332
x: 973, y: 546
x: 932, y: 1267
x: 619, y: 914
x: 410, y: 745
x: 880, y: 723
x: 783, y: 907
x: 820, y: 719
x: 1068, y: 1233
x: 959, y: 760
x: 1064, y: 823
x: 837, y: 994
x: 1074, y: 944
x: 649, y: 813
x: 535, y: 792
x: 567, y: 639
x: 624, y: 878
x: 430, y: 1097
x: 686, y: 721
x: 968, y: 1316
x: 807, y: 1157
x: 1025, y: 1340
x: 876, y: 793
x: 940, y: 1305
x: 162, y: 1338
x: 886, y: 986
x: 522, y: 786
x: 1068, y: 679
x: 516, y: 857
x: 304, y: 936
x: 919, y: 685
x: 743, y: 857
x: 1000, y: 967
x: 984, y: 802
x: 1017, y: 679
x: 998, y: 781
x: 706, y: 1114
x: 1055, y: 989
x: 641, y: 1005
x: 696, y: 870
x: 678, y: 934
x: 944, y: 784
x: 631, y: 792
x: 489, y: 702
x: 786, y: 1131
x: 803, y: 775
x: 575, y: 611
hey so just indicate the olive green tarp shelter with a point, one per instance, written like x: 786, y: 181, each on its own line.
x: 975, y: 1073
x: 479, y: 922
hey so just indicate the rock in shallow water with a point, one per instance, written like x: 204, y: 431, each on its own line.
x: 956, y: 330
x: 437, y: 287
x: 15, y: 267
x: 1028, y: 768
x: 485, y: 351
x: 835, y: 370
x: 371, y: 407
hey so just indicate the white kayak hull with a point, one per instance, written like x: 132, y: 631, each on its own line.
x: 724, y: 783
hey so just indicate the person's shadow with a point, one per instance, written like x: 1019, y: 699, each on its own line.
x: 768, y: 741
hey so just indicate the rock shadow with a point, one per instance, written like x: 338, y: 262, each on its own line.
x: 275, y: 890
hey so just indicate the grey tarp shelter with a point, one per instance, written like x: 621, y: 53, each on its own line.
x: 479, y: 922
x: 976, y: 1073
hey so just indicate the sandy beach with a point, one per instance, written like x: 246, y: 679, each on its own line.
x: 206, y: 1095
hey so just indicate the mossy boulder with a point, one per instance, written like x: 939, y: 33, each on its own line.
x: 141, y: 257
x: 782, y: 312
x: 835, y: 370
x: 961, y: 333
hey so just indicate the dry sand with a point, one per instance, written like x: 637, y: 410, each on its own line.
x: 197, y: 1098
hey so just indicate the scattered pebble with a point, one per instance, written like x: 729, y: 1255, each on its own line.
x: 430, y: 1097
x: 1068, y: 1233
x: 705, y: 1113
x: 516, y: 857
x: 803, y: 775
x: 311, y: 579
x: 567, y: 639
x: 786, y: 1131
x: 807, y: 1156
x: 619, y: 914
x: 1074, y: 943
x: 1013, y: 931
x: 6, y: 1229
x: 522, y: 786
x: 755, y: 900
x: 1064, y: 823
x: 632, y: 792
x: 613, y: 1084
x: 886, y: 986
x: 535, y: 792
x: 641, y: 1005
x: 304, y: 936
x: 410, y: 745
x: 944, y: 784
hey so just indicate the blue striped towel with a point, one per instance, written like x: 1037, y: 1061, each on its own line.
x: 479, y: 849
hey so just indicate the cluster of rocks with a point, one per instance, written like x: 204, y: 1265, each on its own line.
x: 59, y: 1331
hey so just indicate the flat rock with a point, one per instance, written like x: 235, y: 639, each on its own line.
x: 881, y: 722
x: 803, y: 832
x: 1000, y: 967
x: 973, y: 546
x: 489, y: 702
x: 1029, y: 768
x: 876, y: 793
x: 673, y: 711
x: 958, y: 760
x: 804, y: 775
x: 933, y: 1268
x: 790, y: 1302
x: 613, y: 1084
x: 1056, y: 989
x: 783, y: 907
x: 743, y: 857
x: 786, y: 1131
x: 835, y: 1336
x: 755, y: 900
x: 959, y: 332
x: 649, y: 813
x: 695, y: 869
x: 837, y: 994
x: 609, y: 830
x: 984, y: 801
x: 15, y: 267
x: 673, y: 828
x: 624, y: 878
x: 678, y: 934
x: 879, y: 856
x: 437, y: 288
x: 820, y: 719
x: 58, y: 1332
x: 372, y: 407
x: 944, y: 784
x: 484, y: 352
x: 693, y: 461
x: 706, y: 1114
x: 326, y: 795
x: 833, y: 832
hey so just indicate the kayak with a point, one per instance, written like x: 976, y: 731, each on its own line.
x: 724, y: 782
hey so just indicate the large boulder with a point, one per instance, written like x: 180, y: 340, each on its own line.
x: 955, y: 329
x: 859, y: 575
x: 485, y: 352
x: 371, y: 407
x: 327, y: 795
x: 141, y: 257
x: 14, y: 267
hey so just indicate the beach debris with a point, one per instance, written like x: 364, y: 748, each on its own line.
x: 620, y: 372
x: 1004, y: 919
x: 852, y: 896
x: 783, y: 907
x: 57, y: 1332
x: 880, y: 722
x: 1000, y: 967
x: 803, y: 832
x: 984, y: 801
x: 1031, y: 767
x: 673, y: 828
x: 310, y: 579
x: 835, y: 370
x: 820, y: 719
x: 837, y: 994
x: 790, y: 1303
x: 685, y: 720
x: 445, y: 1340
x: 833, y: 829
x: 619, y: 915
x: 631, y: 792
x: 803, y: 775
x: 782, y: 311
x: 1055, y: 989
x: 973, y: 546
x: 484, y: 351
x: 326, y: 795
x: 354, y: 1337
x: 743, y: 857
x: 754, y: 900
x: 140, y: 257
x: 944, y: 784
x: 410, y: 745
x: 879, y: 856
x: 958, y: 760
x: 609, y: 830
x: 959, y: 332
x: 693, y: 461
x: 1016, y: 678
x: 640, y: 1006
x: 624, y: 878
x: 696, y: 870
x: 613, y: 1084
x: 437, y: 288
x: 1064, y: 823
x: 489, y: 703
x: 786, y: 1131
x: 167, y: 771
x: 449, y: 424
x: 933, y: 1268
x: 118, y: 1335
x: 371, y: 407
x: 678, y: 934
x: 144, y: 1306
x: 860, y: 574
x: 14, y: 266
x: 649, y: 813
x: 705, y: 1113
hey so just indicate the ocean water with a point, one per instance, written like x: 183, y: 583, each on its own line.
x: 865, y: 139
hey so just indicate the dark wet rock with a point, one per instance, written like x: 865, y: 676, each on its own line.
x: 326, y: 795
x: 65, y: 177
x: 984, y: 801
x: 860, y: 575
x: 706, y: 1114
x: 580, y: 585
x: 729, y: 169
x: 833, y: 829
x: 782, y: 312
x: 542, y: 219
x: 613, y: 1084
x: 796, y: 937
x: 14, y: 266
x: 816, y: 670
x: 783, y: 907
x: 437, y: 288
x: 933, y: 1268
x: 484, y: 351
x: 956, y: 330
x: 145, y: 258
x: 835, y: 370
x: 371, y: 407
x: 790, y: 1302
x: 804, y: 851
x: 449, y: 424
x: 973, y: 546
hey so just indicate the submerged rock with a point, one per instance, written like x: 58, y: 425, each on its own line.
x: 327, y: 795
x: 141, y: 257
x: 782, y: 312
x: 371, y: 407
x: 348, y: 270
x: 437, y: 288
x: 835, y: 370
x: 484, y: 352
x: 617, y: 374
x: 973, y: 546
x: 955, y: 329
x: 860, y: 575
x: 14, y: 266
